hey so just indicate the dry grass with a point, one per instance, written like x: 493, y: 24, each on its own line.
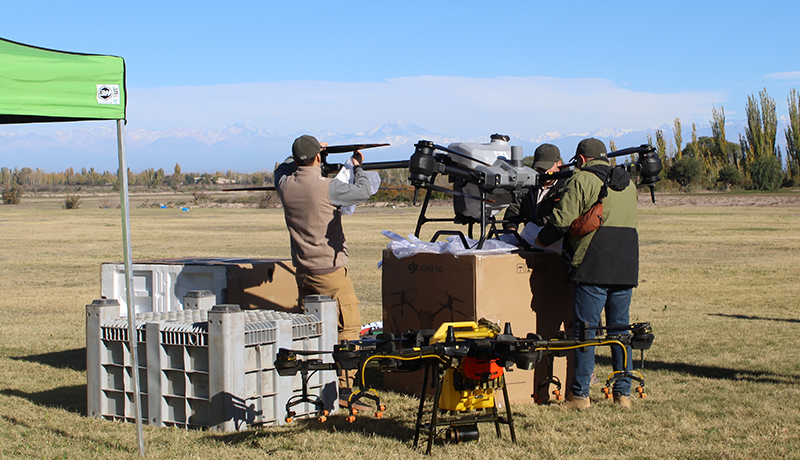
x: 720, y: 286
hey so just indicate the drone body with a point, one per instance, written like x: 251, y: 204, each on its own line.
x: 499, y: 174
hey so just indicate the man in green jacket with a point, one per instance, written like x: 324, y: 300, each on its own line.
x: 604, y: 263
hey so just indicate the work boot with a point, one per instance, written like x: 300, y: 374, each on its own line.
x: 623, y: 401
x: 576, y: 402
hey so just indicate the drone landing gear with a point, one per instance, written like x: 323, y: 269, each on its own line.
x: 305, y: 396
x: 355, y: 405
x: 459, y: 430
x: 617, y: 375
x: 545, y: 383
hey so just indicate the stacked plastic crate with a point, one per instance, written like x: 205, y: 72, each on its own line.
x: 204, y: 368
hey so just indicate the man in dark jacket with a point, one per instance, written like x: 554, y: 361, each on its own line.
x: 537, y: 207
x: 604, y: 263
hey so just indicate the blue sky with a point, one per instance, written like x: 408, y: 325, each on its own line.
x: 462, y: 68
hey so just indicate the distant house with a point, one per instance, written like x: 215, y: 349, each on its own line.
x: 225, y: 180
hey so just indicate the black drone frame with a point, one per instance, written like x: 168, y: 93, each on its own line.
x: 426, y: 163
x: 413, y: 352
x: 431, y: 160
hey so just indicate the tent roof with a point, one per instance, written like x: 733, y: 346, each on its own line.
x: 39, y: 85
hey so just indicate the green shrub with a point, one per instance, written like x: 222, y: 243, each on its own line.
x: 200, y: 196
x: 686, y: 170
x: 72, y: 202
x: 766, y: 174
x: 12, y: 195
x: 730, y: 175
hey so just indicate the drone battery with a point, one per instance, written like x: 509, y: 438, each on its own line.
x: 463, y: 433
x: 455, y: 400
x: 482, y: 371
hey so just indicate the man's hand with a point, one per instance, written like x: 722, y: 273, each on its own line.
x: 358, y: 158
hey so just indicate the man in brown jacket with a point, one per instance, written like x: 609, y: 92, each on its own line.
x: 312, y: 208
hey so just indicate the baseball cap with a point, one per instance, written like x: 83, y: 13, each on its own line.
x: 305, y: 147
x: 591, y: 148
x: 545, y: 156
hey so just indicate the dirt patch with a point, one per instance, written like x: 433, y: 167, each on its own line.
x: 789, y: 199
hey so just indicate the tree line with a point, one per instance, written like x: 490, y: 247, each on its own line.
x: 39, y: 180
x: 755, y: 162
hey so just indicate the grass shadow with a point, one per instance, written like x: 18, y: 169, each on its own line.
x: 66, y: 435
x: 67, y: 359
x: 72, y: 398
x: 757, y: 318
x: 712, y: 372
x: 396, y: 428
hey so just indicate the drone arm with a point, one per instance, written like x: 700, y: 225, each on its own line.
x: 461, y: 173
x: 644, y: 148
x: 385, y: 165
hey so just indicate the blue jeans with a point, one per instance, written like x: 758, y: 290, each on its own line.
x: 590, y: 301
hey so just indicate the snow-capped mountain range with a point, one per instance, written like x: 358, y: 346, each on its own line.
x: 245, y: 148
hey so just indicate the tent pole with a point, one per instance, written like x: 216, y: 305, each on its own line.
x: 126, y: 245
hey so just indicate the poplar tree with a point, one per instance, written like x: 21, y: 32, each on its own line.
x: 612, y: 147
x: 792, y: 133
x: 718, y: 156
x: 770, y: 118
x: 676, y: 131
x: 694, y: 146
x: 661, y: 151
x: 177, y: 177
x: 761, y: 130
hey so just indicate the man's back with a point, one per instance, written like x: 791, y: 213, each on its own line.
x: 314, y: 223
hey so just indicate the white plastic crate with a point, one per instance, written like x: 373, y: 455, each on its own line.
x: 161, y: 285
x: 205, y: 369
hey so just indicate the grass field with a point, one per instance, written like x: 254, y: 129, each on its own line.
x: 719, y: 284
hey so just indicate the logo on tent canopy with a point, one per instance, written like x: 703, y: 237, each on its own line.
x: 108, y: 94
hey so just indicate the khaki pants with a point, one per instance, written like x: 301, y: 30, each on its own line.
x: 338, y: 286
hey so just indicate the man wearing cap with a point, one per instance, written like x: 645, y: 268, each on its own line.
x: 604, y: 263
x: 546, y: 159
x: 312, y: 208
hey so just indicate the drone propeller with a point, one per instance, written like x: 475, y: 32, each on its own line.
x: 325, y: 151
x: 350, y: 147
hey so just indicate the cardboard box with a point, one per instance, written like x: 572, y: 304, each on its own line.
x: 530, y: 291
x: 160, y: 285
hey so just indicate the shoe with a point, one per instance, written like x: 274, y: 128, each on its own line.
x: 623, y: 401
x: 344, y: 396
x: 576, y: 402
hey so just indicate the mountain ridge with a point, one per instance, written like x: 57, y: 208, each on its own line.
x: 246, y: 148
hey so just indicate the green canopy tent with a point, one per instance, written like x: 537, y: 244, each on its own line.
x: 39, y: 85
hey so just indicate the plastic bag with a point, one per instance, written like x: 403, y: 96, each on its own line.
x: 402, y: 247
x: 456, y: 247
x: 407, y: 247
x: 346, y: 175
